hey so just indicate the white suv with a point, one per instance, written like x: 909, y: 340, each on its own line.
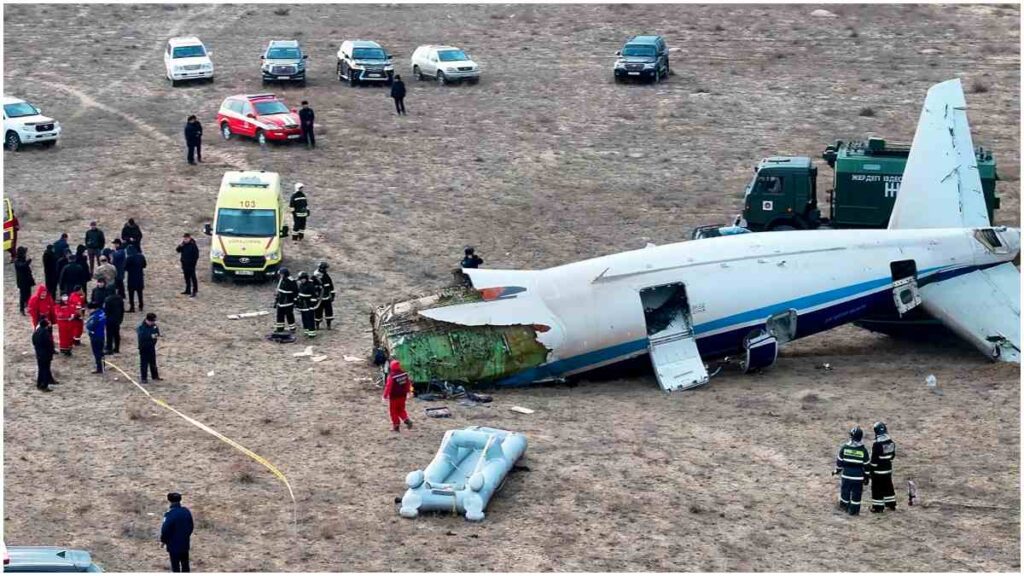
x: 186, y: 58
x: 444, y: 64
x: 25, y: 124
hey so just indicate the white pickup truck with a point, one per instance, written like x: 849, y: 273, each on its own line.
x: 25, y: 124
x: 186, y: 58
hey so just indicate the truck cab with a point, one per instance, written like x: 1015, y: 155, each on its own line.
x: 247, y: 226
x: 782, y: 195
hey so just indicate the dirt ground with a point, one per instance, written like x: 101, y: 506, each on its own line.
x: 546, y: 161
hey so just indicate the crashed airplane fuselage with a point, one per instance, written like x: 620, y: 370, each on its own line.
x: 742, y: 295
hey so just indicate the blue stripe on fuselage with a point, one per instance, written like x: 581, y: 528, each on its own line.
x: 731, y: 341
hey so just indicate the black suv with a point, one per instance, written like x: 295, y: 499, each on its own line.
x: 643, y: 58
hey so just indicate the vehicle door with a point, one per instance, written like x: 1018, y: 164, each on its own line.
x: 232, y: 109
x: 248, y: 119
x: 431, y: 64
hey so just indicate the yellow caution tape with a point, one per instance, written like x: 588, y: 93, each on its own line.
x: 273, y: 469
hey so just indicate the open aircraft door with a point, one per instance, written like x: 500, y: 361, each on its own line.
x: 673, y: 349
x: 905, y: 294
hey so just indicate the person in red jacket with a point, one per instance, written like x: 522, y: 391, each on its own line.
x: 396, y: 389
x: 67, y: 312
x: 41, y: 305
x: 77, y: 299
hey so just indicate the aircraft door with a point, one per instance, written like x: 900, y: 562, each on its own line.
x: 673, y: 348
x: 905, y: 294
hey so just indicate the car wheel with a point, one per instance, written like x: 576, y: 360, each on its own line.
x: 657, y: 76
x: 473, y: 81
x: 225, y: 131
x: 352, y: 80
x: 12, y: 142
x: 261, y: 137
x: 441, y: 80
x: 173, y: 82
x: 209, y: 80
x: 49, y: 143
x: 416, y: 72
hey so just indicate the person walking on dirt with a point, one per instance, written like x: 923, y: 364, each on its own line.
x: 306, y: 303
x: 194, y: 139
x: 189, y: 251
x: 50, y: 276
x: 42, y: 342
x: 284, y: 301
x: 398, y: 95
x: 41, y: 305
x: 176, y: 532
x: 306, y: 118
x: 471, y: 260
x: 95, y: 241
x: 300, y: 211
x: 96, y: 326
x: 851, y: 465
x: 23, y: 277
x: 131, y: 233
x: 148, y: 333
x: 113, y: 307
x: 397, y: 388
x: 883, y: 451
x: 134, y: 267
x: 119, y: 258
x: 66, y: 313
x: 326, y: 311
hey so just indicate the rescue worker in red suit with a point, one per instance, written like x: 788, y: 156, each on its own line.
x: 396, y: 389
x: 41, y: 305
x: 77, y: 298
x: 67, y: 312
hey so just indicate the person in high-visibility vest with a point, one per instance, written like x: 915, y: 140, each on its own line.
x: 397, y: 388
x: 883, y: 451
x: 851, y: 464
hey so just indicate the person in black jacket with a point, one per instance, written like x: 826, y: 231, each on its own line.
x: 42, y: 341
x: 471, y: 260
x: 189, y: 251
x: 50, y: 276
x: 306, y: 118
x: 148, y: 333
x: 100, y: 293
x: 23, y: 277
x: 113, y: 307
x: 61, y: 245
x: 131, y: 233
x: 284, y: 301
x: 300, y: 211
x: 134, y: 265
x: 176, y: 533
x: 851, y: 465
x: 883, y: 451
x: 194, y: 139
x: 307, y: 303
x: 95, y: 241
x: 326, y: 311
x: 398, y: 93
x: 72, y: 273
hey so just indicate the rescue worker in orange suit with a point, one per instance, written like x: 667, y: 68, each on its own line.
x: 66, y: 312
x: 851, y: 464
x: 883, y: 451
x: 397, y: 388
x: 77, y: 299
x: 41, y: 305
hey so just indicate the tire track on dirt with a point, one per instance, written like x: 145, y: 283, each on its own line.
x: 225, y: 157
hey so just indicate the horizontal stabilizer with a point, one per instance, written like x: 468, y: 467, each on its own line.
x: 941, y: 186
x: 983, y: 307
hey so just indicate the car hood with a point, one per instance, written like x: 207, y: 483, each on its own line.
x: 191, y: 61
x: 637, y: 59
x: 289, y: 120
x: 32, y: 120
x: 285, y: 62
x: 457, y: 64
x: 362, y: 62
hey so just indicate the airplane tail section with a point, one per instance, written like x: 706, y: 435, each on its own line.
x: 941, y: 186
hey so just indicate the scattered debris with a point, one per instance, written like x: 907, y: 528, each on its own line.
x: 822, y: 13
x: 281, y: 337
x: 319, y: 358
x: 930, y: 51
x: 307, y: 352
x: 438, y: 412
x: 911, y: 492
x: 210, y: 373
x: 521, y: 410
x: 352, y: 358
x: 248, y: 315
x: 481, y: 398
x: 826, y: 366
x: 933, y: 384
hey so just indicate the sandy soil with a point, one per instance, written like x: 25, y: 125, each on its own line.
x: 545, y: 161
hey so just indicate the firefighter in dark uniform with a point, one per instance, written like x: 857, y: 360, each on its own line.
x: 851, y: 464
x: 307, y: 303
x: 318, y: 293
x: 326, y: 312
x: 883, y: 451
x: 284, y: 301
x: 300, y: 211
x: 471, y: 260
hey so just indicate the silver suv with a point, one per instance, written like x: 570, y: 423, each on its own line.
x: 47, y: 559
x: 283, y: 60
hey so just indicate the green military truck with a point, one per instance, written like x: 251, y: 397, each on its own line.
x: 866, y: 178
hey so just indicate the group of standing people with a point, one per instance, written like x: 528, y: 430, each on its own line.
x: 64, y: 299
x: 857, y: 468
x: 313, y: 296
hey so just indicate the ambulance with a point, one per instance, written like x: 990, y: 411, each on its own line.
x: 10, y: 227
x: 248, y: 224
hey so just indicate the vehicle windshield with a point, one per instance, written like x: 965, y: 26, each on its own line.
x: 19, y: 109
x: 451, y: 55
x: 643, y: 50
x: 368, y: 54
x: 243, y: 222
x: 196, y: 51
x: 271, y: 107
x: 284, y: 54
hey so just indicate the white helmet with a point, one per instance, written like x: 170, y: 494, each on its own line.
x: 299, y: 186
